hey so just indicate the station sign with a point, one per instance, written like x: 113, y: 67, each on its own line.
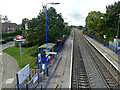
x: 19, y: 37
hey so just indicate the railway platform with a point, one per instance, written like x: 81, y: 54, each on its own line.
x: 59, y: 72
x: 112, y: 58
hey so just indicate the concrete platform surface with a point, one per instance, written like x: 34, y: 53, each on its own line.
x: 59, y: 74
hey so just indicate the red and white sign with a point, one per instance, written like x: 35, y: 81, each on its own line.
x: 19, y: 37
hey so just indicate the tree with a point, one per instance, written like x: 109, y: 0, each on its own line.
x: 94, y: 24
x: 112, y: 19
x: 4, y: 18
x: 36, y: 33
x: 94, y: 19
x: 80, y: 27
x: 24, y: 21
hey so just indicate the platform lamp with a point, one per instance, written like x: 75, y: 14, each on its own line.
x: 46, y: 18
x: 105, y: 30
x: 46, y: 26
x: 92, y: 27
x: 117, y: 31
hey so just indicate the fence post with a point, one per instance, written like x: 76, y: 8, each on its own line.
x: 27, y: 86
x: 17, y: 81
x: 41, y: 86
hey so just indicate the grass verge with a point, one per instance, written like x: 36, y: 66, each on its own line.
x: 26, y: 59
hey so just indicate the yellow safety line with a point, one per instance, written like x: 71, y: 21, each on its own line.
x: 107, y: 52
x: 60, y: 67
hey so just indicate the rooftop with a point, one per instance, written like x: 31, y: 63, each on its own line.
x: 49, y: 46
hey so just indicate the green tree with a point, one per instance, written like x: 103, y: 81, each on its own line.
x: 80, y: 27
x: 36, y: 33
x: 112, y: 19
x: 24, y: 21
x: 94, y: 24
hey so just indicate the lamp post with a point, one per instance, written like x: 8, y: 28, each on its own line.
x: 46, y: 27
x: 92, y: 27
x: 117, y: 32
x: 118, y: 25
x: 46, y: 19
x: 105, y: 30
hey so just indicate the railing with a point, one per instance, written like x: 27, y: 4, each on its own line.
x: 62, y: 43
x: 111, y: 45
x: 32, y: 83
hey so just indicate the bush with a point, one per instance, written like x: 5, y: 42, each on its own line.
x: 6, y: 34
x: 8, y: 39
x: 24, y: 44
x: 33, y: 51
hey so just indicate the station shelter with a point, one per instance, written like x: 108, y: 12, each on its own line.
x: 44, y: 52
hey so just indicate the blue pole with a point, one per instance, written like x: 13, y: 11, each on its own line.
x: 46, y: 24
x: 20, y: 52
x: 27, y: 86
x: 117, y: 32
x: 105, y: 30
x: 116, y: 42
x: 105, y: 25
x: 41, y: 86
x: 92, y: 29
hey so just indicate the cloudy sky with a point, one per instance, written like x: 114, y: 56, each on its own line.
x: 74, y: 10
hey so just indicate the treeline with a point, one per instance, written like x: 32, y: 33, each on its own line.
x: 95, y: 22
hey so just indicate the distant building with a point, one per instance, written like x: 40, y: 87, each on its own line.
x: 10, y: 27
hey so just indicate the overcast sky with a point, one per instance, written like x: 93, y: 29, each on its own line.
x: 74, y: 10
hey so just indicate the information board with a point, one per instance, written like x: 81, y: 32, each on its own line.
x: 23, y: 73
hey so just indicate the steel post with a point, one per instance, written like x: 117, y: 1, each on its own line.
x: 20, y: 53
x: 46, y: 23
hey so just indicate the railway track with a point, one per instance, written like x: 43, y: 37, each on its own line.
x: 79, y: 74
x: 107, y: 77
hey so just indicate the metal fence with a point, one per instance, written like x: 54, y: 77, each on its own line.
x: 62, y: 43
x: 36, y: 78
x: 113, y: 46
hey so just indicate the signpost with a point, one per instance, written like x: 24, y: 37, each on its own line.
x: 20, y: 38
